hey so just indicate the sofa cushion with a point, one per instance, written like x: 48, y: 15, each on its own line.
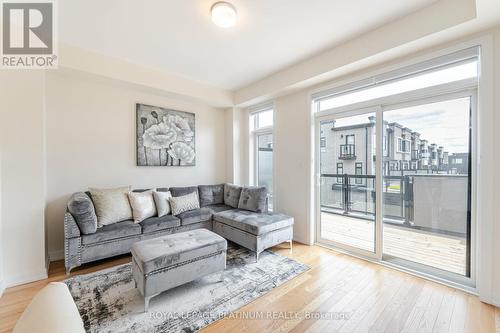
x: 162, y: 202
x: 254, y: 199
x: 211, y: 194
x: 143, y: 205
x: 180, y: 191
x: 165, y: 251
x: 159, y: 223
x: 232, y: 195
x: 111, y: 205
x: 113, y: 231
x: 81, y: 207
x: 218, y: 208
x: 254, y: 223
x: 159, y: 189
x: 195, y: 216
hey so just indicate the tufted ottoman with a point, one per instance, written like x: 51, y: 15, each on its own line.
x: 166, y: 262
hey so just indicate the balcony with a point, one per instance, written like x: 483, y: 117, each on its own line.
x: 347, y: 152
x: 421, y: 228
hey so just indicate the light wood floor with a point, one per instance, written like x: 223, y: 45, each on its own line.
x: 373, y: 298
x: 433, y: 249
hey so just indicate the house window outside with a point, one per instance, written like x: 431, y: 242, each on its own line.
x: 403, y: 145
x: 358, y: 171
x: 340, y: 171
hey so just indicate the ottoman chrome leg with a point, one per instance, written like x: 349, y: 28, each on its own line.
x: 291, y: 246
x: 257, y: 256
x: 221, y: 277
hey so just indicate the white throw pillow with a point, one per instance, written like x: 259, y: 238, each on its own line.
x: 162, y: 201
x: 111, y: 205
x: 143, y: 205
x: 184, y: 203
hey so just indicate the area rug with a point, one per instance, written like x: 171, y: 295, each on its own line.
x: 108, y: 301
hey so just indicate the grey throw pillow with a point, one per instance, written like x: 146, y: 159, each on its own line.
x: 211, y: 194
x: 232, y: 195
x: 82, y: 209
x: 253, y: 199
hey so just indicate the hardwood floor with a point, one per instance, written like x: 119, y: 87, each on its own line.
x: 360, y: 297
x: 438, y: 250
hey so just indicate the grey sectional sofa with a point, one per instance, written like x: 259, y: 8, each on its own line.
x: 238, y: 214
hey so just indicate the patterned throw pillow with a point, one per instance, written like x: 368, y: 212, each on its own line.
x: 162, y: 201
x: 184, y: 203
x: 143, y: 205
x: 111, y: 205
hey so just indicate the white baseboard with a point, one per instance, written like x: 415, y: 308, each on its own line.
x: 2, y: 288
x: 300, y: 240
x: 56, y: 255
x: 22, y: 279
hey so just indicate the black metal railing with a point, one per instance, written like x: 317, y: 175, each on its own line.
x: 355, y: 195
x: 347, y: 151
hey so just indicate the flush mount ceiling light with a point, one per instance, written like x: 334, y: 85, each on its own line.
x: 223, y: 14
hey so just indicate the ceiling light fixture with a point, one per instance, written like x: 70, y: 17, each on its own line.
x: 223, y: 14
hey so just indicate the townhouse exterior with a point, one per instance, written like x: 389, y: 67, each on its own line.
x: 352, y: 150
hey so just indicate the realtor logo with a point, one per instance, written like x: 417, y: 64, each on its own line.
x: 28, y: 35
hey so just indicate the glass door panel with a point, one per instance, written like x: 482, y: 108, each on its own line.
x: 427, y: 186
x: 265, y: 163
x: 347, y: 181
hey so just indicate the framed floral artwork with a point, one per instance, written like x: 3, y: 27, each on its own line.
x: 165, y: 137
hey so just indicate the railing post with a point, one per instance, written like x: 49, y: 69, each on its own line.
x: 346, y: 190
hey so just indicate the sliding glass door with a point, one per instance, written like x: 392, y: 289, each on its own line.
x: 427, y: 185
x: 347, y: 181
x: 395, y: 167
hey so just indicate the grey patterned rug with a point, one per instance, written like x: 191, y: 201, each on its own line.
x: 108, y: 302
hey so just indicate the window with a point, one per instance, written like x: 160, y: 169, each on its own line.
x: 261, y: 123
x: 403, y: 145
x: 262, y: 119
x: 349, y: 139
x: 358, y: 171
x: 322, y: 142
x: 458, y: 161
x: 340, y: 171
x: 391, y: 86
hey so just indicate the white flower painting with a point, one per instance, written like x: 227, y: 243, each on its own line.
x: 165, y: 137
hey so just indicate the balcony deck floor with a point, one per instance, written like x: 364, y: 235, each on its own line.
x: 437, y: 250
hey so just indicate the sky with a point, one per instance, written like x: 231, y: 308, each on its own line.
x: 443, y: 123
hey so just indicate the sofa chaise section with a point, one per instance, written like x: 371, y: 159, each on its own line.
x: 255, y: 231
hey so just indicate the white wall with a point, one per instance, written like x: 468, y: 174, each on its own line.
x: 22, y: 175
x: 91, y: 142
x: 292, y: 159
x: 496, y: 232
